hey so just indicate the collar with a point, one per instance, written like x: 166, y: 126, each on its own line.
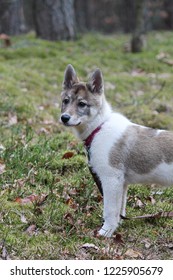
x: 89, y: 139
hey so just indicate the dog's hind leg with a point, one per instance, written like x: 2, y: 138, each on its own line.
x: 112, y: 198
x: 124, y: 199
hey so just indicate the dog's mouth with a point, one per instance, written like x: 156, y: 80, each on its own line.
x: 71, y: 125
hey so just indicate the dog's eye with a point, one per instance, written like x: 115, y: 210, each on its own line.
x: 66, y: 101
x: 82, y: 104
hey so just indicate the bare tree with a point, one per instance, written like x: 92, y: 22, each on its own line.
x: 10, y: 17
x: 97, y: 15
x: 54, y: 19
x: 28, y: 6
x: 138, y: 40
x: 83, y: 18
x: 168, y: 6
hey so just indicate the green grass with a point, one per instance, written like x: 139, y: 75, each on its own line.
x: 33, y: 144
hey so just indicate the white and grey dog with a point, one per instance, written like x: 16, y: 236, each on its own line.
x: 119, y: 152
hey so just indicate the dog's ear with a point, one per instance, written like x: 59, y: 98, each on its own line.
x: 70, y: 77
x: 95, y: 83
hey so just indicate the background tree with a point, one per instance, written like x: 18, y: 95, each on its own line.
x: 28, y: 9
x: 11, y: 19
x: 54, y: 19
x: 168, y: 7
x: 137, y: 40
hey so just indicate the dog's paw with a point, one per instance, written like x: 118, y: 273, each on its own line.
x: 106, y: 231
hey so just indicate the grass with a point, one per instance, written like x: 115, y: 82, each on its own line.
x: 49, y: 204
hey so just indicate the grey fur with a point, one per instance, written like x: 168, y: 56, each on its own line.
x: 141, y: 149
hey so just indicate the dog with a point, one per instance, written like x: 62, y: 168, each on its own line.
x: 119, y: 152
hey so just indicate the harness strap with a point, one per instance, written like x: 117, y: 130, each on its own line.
x: 87, y: 143
x: 89, y: 139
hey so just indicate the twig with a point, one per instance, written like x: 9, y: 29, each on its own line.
x: 150, y: 216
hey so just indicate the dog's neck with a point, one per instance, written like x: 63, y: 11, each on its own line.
x: 89, y: 139
x: 83, y: 131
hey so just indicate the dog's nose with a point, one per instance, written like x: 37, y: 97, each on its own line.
x: 65, y: 118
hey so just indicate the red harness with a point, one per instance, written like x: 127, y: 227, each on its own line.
x: 89, y: 139
x: 87, y: 143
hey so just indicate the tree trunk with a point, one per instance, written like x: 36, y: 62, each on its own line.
x: 126, y: 12
x: 54, y: 19
x: 97, y: 15
x: 10, y: 16
x: 82, y: 15
x: 138, y: 39
x: 168, y: 7
x: 28, y: 14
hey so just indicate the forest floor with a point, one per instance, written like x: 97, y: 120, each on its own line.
x: 50, y: 207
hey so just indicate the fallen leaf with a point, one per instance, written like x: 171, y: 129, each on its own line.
x: 2, y: 167
x: 170, y: 246
x: 38, y: 210
x: 39, y: 199
x: 31, y: 229
x: 2, y: 148
x: 41, y: 108
x: 43, y: 130
x: 137, y: 72
x: 162, y: 55
x: 70, y: 202
x: 5, y: 255
x: 28, y: 199
x: 147, y: 243
x: 2, y: 192
x: 72, y: 191
x: 168, y: 61
x: 69, y: 218
x: 12, y: 119
x: 19, y: 183
x: 68, y: 199
x: 139, y: 203
x: 23, y: 219
x: 24, y: 89
x: 133, y: 253
x: 118, y: 239
x: 72, y: 145
x: 151, y: 199
x: 90, y: 246
x: 89, y: 209
x: 68, y: 155
x: 96, y: 234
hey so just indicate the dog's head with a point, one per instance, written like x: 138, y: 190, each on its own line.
x: 81, y: 101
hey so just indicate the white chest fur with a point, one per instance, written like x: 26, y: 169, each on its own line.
x: 112, y: 130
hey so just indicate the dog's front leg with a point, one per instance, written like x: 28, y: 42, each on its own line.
x: 112, y: 199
